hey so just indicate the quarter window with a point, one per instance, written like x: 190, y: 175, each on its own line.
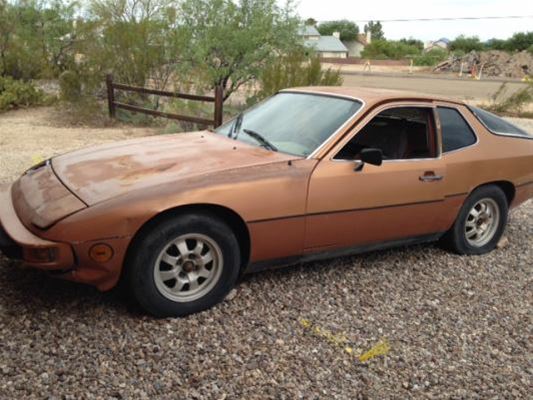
x: 456, y: 133
x: 498, y: 125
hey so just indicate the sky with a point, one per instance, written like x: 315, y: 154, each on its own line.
x: 324, y: 10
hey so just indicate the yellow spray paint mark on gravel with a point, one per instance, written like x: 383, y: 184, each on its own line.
x: 382, y: 348
x: 36, y: 159
x: 340, y: 340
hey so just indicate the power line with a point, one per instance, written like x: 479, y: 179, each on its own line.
x: 445, y: 18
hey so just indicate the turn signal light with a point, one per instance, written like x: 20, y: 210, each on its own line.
x: 101, y: 252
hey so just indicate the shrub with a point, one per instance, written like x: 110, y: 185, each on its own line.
x: 431, y: 58
x: 466, y: 44
x: 389, y: 49
x: 70, y: 86
x: 296, y: 69
x: 15, y: 93
x: 520, y: 41
x: 512, y: 104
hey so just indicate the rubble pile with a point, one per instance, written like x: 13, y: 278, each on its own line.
x: 491, y: 63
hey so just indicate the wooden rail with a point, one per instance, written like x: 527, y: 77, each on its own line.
x: 217, y: 99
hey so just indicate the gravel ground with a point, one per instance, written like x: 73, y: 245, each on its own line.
x: 458, y: 327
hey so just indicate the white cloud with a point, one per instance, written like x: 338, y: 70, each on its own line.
x: 323, y: 10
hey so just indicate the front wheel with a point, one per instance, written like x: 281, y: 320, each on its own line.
x: 183, y: 265
x: 480, y: 223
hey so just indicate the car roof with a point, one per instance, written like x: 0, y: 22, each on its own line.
x: 370, y: 96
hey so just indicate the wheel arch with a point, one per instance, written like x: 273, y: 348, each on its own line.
x: 227, y: 215
x: 507, y: 187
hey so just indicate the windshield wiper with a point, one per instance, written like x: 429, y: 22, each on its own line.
x: 236, y: 126
x: 261, y: 139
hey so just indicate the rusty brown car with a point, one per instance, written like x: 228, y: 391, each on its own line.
x: 307, y: 174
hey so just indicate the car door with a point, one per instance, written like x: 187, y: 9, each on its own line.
x: 350, y: 206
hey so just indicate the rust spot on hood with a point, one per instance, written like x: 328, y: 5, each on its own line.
x: 102, y: 172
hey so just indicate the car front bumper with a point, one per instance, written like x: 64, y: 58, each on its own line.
x: 16, y: 241
x: 63, y: 260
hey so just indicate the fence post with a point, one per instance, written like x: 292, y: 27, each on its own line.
x: 110, y: 95
x: 219, y: 105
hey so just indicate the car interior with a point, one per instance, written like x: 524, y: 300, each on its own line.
x: 400, y: 133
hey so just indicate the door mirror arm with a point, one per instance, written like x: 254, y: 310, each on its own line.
x: 359, y: 165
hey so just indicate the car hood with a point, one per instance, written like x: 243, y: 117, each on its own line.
x: 102, y: 172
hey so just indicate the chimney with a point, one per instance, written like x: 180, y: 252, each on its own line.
x: 368, y: 37
x: 337, y: 35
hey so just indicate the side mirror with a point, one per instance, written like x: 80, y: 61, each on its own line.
x: 372, y: 156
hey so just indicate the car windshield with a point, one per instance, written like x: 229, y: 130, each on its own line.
x: 293, y: 123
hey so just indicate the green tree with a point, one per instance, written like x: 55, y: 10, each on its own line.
x: 136, y: 40
x: 348, y: 30
x: 296, y: 69
x: 375, y: 29
x: 35, y: 37
x: 413, y: 42
x: 520, y: 41
x: 496, y: 44
x: 311, y: 22
x: 231, y: 43
x: 466, y: 44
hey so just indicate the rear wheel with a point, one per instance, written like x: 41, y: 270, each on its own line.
x: 480, y: 223
x: 184, y: 265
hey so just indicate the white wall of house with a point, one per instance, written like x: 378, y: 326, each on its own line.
x: 354, y: 48
x: 331, y: 54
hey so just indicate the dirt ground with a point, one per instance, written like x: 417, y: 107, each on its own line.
x: 27, y: 136
x: 455, y: 327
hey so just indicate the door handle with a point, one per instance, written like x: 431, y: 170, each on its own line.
x: 430, y: 176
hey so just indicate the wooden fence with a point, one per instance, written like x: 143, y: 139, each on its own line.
x: 217, y: 99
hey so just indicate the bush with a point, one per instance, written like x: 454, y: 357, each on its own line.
x: 520, y: 41
x: 70, y: 86
x: 14, y: 94
x: 466, y: 44
x: 513, y: 104
x: 296, y: 69
x: 389, y: 49
x: 431, y: 58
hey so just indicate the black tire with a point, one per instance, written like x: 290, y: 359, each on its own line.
x: 455, y: 239
x: 142, y: 263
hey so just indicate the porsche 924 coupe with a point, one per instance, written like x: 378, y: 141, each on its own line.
x: 307, y: 174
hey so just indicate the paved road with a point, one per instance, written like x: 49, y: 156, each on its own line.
x: 465, y: 89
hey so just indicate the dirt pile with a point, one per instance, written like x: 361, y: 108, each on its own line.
x: 490, y: 63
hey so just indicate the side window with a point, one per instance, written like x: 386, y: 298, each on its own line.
x: 456, y: 133
x: 400, y: 133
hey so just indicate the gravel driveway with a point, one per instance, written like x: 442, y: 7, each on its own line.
x: 458, y: 327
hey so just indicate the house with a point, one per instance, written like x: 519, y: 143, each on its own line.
x: 442, y: 43
x: 355, y: 47
x: 325, y: 46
